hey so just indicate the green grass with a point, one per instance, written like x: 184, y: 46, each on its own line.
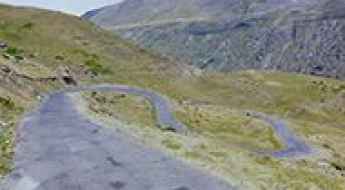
x: 122, y: 106
x: 79, y: 45
x: 221, y: 140
x: 6, y: 149
x: 224, y: 139
x: 9, y: 113
x: 225, y: 127
x: 13, y: 51
x: 96, y: 67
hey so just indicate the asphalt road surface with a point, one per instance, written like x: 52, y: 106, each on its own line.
x: 59, y: 149
x: 294, y: 146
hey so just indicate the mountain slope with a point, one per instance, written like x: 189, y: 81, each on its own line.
x: 296, y: 36
x: 49, y: 50
x: 142, y: 11
x: 43, y: 51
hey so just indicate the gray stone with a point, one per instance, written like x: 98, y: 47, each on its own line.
x: 3, y: 45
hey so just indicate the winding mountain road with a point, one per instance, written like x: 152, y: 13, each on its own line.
x: 165, y: 118
x: 294, y: 146
x: 58, y: 148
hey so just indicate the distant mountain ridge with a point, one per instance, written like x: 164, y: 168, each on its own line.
x: 92, y: 13
x: 139, y: 11
x: 304, y: 36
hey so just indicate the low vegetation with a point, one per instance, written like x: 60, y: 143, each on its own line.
x: 122, y: 106
x: 222, y: 139
x: 227, y: 126
x: 9, y: 113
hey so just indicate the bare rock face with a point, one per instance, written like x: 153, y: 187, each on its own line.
x: 304, y: 36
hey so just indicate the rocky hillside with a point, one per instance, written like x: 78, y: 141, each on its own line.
x: 304, y: 36
x: 37, y: 56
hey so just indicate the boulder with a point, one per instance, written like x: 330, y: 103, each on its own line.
x: 65, y: 75
x: 3, y: 45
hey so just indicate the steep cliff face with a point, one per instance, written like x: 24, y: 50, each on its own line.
x: 305, y: 36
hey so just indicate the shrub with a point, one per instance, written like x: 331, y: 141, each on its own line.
x: 95, y: 66
x: 7, y: 102
x: 28, y: 25
x: 59, y: 57
x: 19, y: 58
x: 13, y: 51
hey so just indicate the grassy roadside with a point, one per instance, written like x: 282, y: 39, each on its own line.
x: 224, y: 140
x: 37, y: 50
x: 313, y: 106
x: 231, y: 126
x: 8, y: 114
x: 11, y: 110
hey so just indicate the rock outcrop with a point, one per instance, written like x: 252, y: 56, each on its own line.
x: 304, y: 36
